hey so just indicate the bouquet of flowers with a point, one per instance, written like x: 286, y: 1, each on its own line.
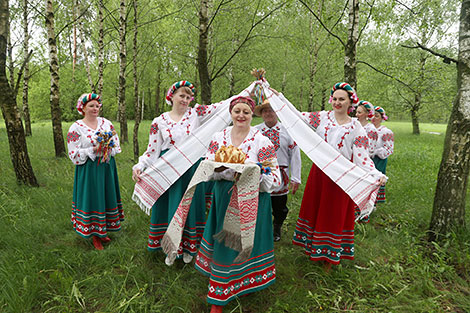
x: 105, y: 144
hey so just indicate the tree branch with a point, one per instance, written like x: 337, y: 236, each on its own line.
x: 321, y: 23
x: 388, y: 75
x: 20, y: 73
x: 445, y: 58
x: 160, y: 17
x: 247, y: 37
x: 408, y: 8
x: 367, y: 20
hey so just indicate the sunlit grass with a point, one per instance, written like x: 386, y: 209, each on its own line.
x: 46, y: 267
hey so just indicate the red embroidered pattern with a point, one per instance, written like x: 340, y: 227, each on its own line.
x: 314, y: 119
x: 213, y: 147
x: 388, y: 137
x: 266, y: 153
x: 292, y: 146
x: 201, y: 110
x: 153, y: 129
x: 373, y: 135
x: 73, y: 136
x: 273, y: 135
x: 361, y: 142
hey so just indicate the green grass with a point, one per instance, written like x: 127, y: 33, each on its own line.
x: 46, y: 267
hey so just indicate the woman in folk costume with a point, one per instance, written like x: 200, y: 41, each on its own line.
x: 364, y: 113
x: 166, y: 131
x: 325, y: 227
x: 384, y: 146
x: 92, y: 144
x: 231, y: 273
x: 288, y: 157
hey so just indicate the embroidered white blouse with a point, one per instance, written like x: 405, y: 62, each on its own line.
x: 81, y: 139
x: 349, y: 139
x: 372, y: 134
x: 287, y: 151
x: 165, y: 132
x: 385, y: 142
x: 257, y: 147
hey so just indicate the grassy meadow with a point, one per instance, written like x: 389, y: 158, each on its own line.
x: 46, y: 267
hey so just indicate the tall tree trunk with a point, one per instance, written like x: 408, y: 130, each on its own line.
x: 301, y: 93
x: 231, y: 79
x: 203, y: 66
x: 158, y: 83
x: 122, y: 73
x: 350, y: 65
x: 74, y: 50
x: 313, y: 58
x: 449, y: 200
x: 100, y: 47
x: 414, y: 113
x: 11, y: 66
x: 84, y: 50
x: 56, y: 114
x: 15, y: 132
x: 324, y: 98
x: 137, y: 109
x: 26, y: 115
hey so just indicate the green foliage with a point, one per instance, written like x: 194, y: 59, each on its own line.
x: 46, y: 267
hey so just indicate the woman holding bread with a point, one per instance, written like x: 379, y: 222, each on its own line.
x: 231, y: 275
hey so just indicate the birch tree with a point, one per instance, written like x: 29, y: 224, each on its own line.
x: 56, y: 114
x: 15, y: 132
x: 449, y: 200
x: 26, y: 115
x: 122, y: 72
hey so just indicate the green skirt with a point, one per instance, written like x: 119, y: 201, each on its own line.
x: 96, y: 206
x: 381, y: 165
x: 165, y: 207
x: 228, y: 280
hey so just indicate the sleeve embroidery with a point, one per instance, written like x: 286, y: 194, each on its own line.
x: 73, y: 136
x: 266, y: 153
x: 361, y: 142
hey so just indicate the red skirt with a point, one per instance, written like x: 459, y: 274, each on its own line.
x: 325, y: 227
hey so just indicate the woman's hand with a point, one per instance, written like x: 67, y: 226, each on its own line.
x: 220, y: 169
x: 274, y: 91
x: 136, y: 175
x: 382, y: 181
x: 293, y: 186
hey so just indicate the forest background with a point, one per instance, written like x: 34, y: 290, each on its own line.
x: 131, y: 52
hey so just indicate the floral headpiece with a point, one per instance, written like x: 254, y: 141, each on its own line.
x: 175, y: 86
x: 351, y: 92
x: 369, y: 107
x: 242, y: 99
x: 382, y: 112
x: 85, y: 98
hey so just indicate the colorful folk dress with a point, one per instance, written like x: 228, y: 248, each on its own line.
x: 229, y: 279
x: 164, y: 134
x: 383, y: 149
x: 325, y: 227
x: 288, y: 157
x: 96, y: 206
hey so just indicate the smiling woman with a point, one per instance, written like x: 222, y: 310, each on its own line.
x: 92, y: 144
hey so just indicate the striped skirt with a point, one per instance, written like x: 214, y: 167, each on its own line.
x: 96, y: 206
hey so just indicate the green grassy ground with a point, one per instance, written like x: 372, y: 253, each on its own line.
x: 46, y: 267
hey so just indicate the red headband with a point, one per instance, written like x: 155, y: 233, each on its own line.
x: 242, y: 99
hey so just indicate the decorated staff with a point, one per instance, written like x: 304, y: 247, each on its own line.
x: 92, y: 144
x: 237, y: 250
x: 288, y: 157
x: 364, y: 113
x: 384, y: 146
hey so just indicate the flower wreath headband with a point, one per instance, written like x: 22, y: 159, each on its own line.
x: 175, y: 86
x: 85, y: 98
x: 350, y: 90
x: 369, y: 107
x: 382, y: 112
